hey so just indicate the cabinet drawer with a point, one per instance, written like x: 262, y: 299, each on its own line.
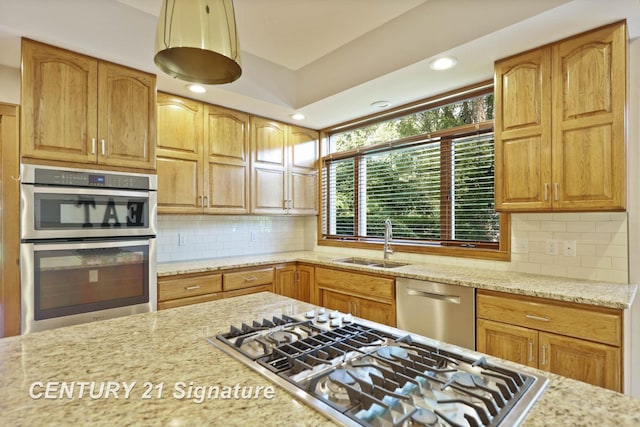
x: 163, y: 305
x: 180, y: 287
x: 355, y: 283
x: 248, y: 278
x: 593, y: 323
x: 247, y: 291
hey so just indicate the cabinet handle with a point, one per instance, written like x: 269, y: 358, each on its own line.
x: 206, y: 201
x: 542, y: 319
x: 250, y: 279
x: 104, y: 147
x: 296, y: 277
x: 530, y: 351
x: 191, y: 288
x: 546, y: 191
x: 199, y: 201
x: 544, y: 356
x: 93, y: 146
x: 555, y: 191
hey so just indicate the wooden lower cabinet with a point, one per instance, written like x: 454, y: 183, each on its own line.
x: 186, y: 289
x: 295, y: 281
x: 366, y: 296
x: 573, y: 340
x: 508, y: 342
x: 362, y: 307
x: 593, y: 363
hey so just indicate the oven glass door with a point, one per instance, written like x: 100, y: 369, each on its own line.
x: 81, y: 277
x: 55, y: 212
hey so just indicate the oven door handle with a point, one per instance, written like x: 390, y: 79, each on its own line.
x: 434, y: 295
x: 48, y: 246
x: 86, y: 191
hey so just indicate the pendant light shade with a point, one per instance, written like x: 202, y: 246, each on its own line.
x: 196, y: 41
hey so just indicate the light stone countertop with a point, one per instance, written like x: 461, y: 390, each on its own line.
x: 169, y: 347
x: 614, y: 295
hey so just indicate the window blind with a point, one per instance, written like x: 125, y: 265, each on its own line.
x: 436, y: 191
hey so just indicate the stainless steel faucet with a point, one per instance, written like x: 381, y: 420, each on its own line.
x: 388, y: 235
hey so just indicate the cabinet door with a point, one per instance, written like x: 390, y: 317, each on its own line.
x: 268, y: 150
x: 302, y: 170
x: 179, y: 152
x: 306, y: 282
x: 508, y: 342
x: 9, y: 221
x: 126, y: 117
x: 59, y: 103
x: 337, y: 301
x: 227, y: 160
x: 523, y: 131
x: 286, y: 281
x: 589, y: 83
x: 593, y: 363
x: 375, y: 311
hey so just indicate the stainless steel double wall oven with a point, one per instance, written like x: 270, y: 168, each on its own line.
x: 88, y: 245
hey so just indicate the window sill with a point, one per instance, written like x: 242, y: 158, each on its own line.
x: 452, y: 251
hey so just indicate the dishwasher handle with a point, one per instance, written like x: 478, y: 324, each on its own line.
x: 455, y: 299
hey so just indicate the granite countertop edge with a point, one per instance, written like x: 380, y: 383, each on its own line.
x: 602, y: 294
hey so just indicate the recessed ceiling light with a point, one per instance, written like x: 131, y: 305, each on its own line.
x: 443, y: 63
x: 380, y: 104
x: 197, y: 88
x: 298, y: 116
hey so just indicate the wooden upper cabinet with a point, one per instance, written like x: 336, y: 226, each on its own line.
x: 589, y: 96
x: 560, y: 142
x: 303, y: 170
x: 126, y: 117
x: 523, y: 131
x: 268, y: 180
x: 82, y: 110
x: 180, y: 161
x: 59, y: 102
x: 284, y: 168
x: 227, y: 161
x: 203, y: 157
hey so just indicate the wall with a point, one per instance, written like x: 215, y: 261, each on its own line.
x: 213, y: 236
x: 9, y: 85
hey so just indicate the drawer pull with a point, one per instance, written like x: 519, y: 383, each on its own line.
x: 191, y: 288
x: 542, y: 319
x: 250, y: 279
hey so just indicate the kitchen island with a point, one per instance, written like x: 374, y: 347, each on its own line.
x: 149, y: 363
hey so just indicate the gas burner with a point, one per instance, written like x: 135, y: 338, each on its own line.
x: 392, y: 352
x: 283, y: 336
x: 424, y: 417
x: 343, y: 376
x: 464, y: 379
x: 254, y: 348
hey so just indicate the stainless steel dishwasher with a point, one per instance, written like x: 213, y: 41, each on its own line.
x: 437, y: 310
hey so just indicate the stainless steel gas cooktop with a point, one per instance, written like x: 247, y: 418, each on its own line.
x: 358, y: 372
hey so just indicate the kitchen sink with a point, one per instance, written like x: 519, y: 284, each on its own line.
x: 372, y: 262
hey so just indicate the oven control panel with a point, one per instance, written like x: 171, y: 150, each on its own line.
x: 86, y: 178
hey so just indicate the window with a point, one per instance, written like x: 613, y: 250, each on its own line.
x: 429, y: 171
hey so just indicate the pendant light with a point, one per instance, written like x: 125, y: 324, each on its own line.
x: 197, y: 41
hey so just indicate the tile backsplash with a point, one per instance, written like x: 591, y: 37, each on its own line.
x: 187, y: 237
x: 601, y: 242
x: 601, y: 245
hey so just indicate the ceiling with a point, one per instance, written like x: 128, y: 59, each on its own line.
x: 328, y: 59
